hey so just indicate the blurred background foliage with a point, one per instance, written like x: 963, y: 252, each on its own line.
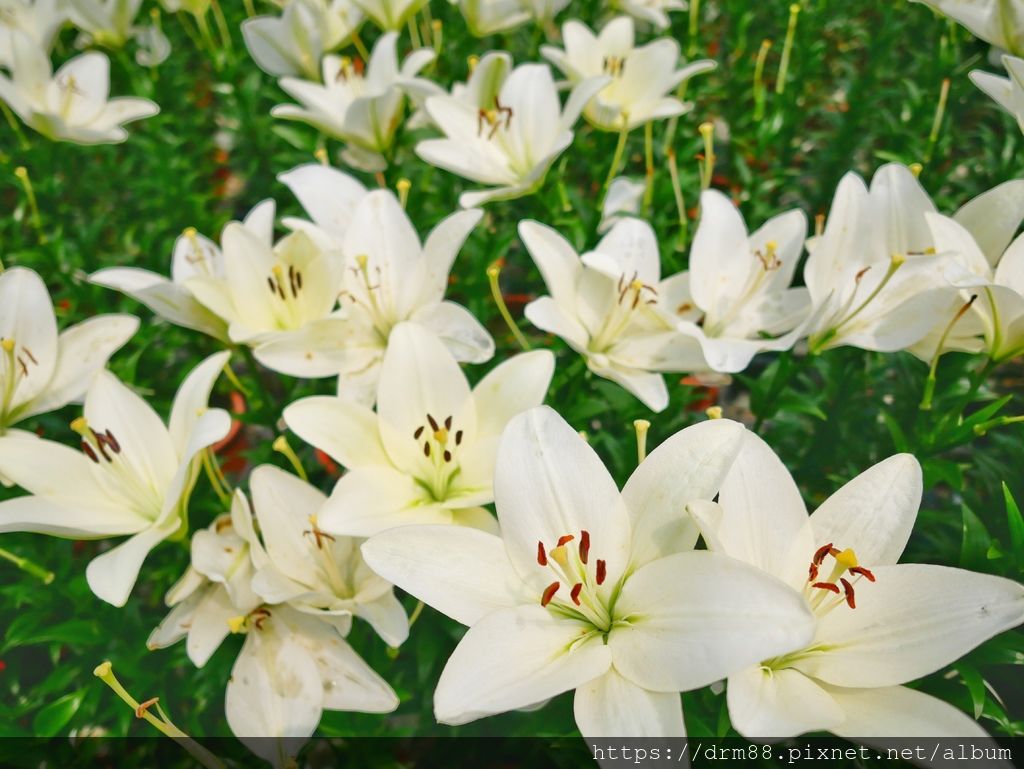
x: 863, y: 86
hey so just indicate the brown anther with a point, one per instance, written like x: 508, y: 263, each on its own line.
x: 24, y: 368
x: 812, y: 572
x: 848, y: 590
x: 32, y: 357
x: 140, y: 711
x: 433, y: 423
x: 863, y: 572
x: 564, y: 539
x: 860, y: 274
x: 602, y: 571
x: 89, y: 452
x: 458, y: 437
x: 101, y: 444
x: 318, y: 535
x: 448, y: 423
x: 826, y: 586
x: 419, y: 431
x: 112, y: 442
x: 426, y: 449
x: 270, y: 285
x: 575, y: 593
x: 584, y: 546
x: 542, y: 557
x: 549, y: 593
x: 684, y: 307
x: 261, y: 615
x: 447, y: 456
x: 820, y: 553
x: 298, y: 279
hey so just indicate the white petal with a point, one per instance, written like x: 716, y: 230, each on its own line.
x: 193, y: 398
x: 112, y: 575
x: 209, y: 625
x: 283, y: 504
x: 327, y: 195
x: 513, y: 386
x: 369, y: 500
x: 779, y: 703
x: 899, y: 712
x: 690, y: 465
x: 458, y: 329
x: 443, y: 245
x: 388, y: 619
x: 549, y: 483
x: 26, y: 316
x: 547, y: 315
x: 994, y: 216
x: 720, y: 258
x: 513, y: 658
x: 613, y: 706
x: 556, y: 259
x: 463, y: 573
x: 914, y: 620
x: 693, y: 618
x: 873, y: 513
x: 347, y: 431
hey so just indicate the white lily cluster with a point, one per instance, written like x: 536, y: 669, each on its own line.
x: 293, y: 590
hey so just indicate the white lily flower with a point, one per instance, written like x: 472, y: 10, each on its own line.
x: 995, y: 322
x: 109, y: 23
x: 216, y: 588
x: 1008, y: 92
x: 640, y: 79
x: 879, y: 624
x: 622, y: 201
x: 510, y: 144
x: 312, y: 571
x: 133, y: 476
x: 654, y: 12
x: 390, y: 15
x: 40, y: 20
x: 293, y: 43
x: 427, y: 454
x: 999, y: 22
x: 874, y: 276
x: 194, y: 256
x: 292, y: 667
x: 390, y: 277
x: 363, y: 109
x: 40, y: 369
x: 280, y: 300
x: 612, y: 307
x: 741, y: 283
x: 487, y: 17
x: 590, y: 589
x: 72, y: 105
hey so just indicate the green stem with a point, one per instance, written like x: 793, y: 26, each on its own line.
x: 493, y: 273
x: 649, y: 166
x: 26, y: 565
x: 15, y: 126
x: 620, y: 148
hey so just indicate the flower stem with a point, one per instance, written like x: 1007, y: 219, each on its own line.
x: 691, y: 48
x: 929, y: 385
x: 403, y: 186
x: 677, y: 191
x: 222, y: 25
x: 649, y: 163
x: 940, y: 111
x: 26, y: 184
x: 250, y: 9
x: 281, y: 446
x: 26, y: 565
x: 493, y: 273
x: 707, y: 168
x: 217, y: 481
x: 105, y: 672
x: 759, y: 89
x: 620, y: 148
x: 787, y: 49
x: 357, y: 41
x: 15, y: 126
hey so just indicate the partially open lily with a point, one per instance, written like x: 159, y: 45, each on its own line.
x: 292, y: 44
x: 133, y: 475
x: 427, y: 455
x: 40, y: 369
x: 879, y: 625
x: 71, y: 105
x: 1008, y: 91
x: 40, y: 20
x: 590, y: 589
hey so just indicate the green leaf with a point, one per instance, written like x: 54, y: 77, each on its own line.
x: 976, y: 541
x: 1016, y: 524
x: 52, y: 718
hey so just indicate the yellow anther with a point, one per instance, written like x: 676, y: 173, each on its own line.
x: 236, y: 624
x: 559, y: 555
x: 713, y: 412
x: 847, y: 559
x: 7, y: 344
x: 81, y: 426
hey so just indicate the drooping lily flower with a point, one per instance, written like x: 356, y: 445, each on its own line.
x: 427, y: 454
x: 133, y: 475
x: 216, y: 587
x: 1008, y: 92
x: 640, y: 79
x: 879, y: 624
x: 292, y: 44
x: 654, y: 12
x: 390, y: 15
x: 741, y: 284
x: 361, y: 107
x: 999, y: 22
x: 40, y: 20
x: 510, y: 144
x: 590, y: 589
x: 40, y: 369
x: 72, y: 105
x: 875, y: 278
x: 194, y: 256
x: 612, y: 307
x: 292, y: 667
x: 390, y: 276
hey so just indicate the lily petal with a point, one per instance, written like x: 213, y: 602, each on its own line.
x: 613, y: 706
